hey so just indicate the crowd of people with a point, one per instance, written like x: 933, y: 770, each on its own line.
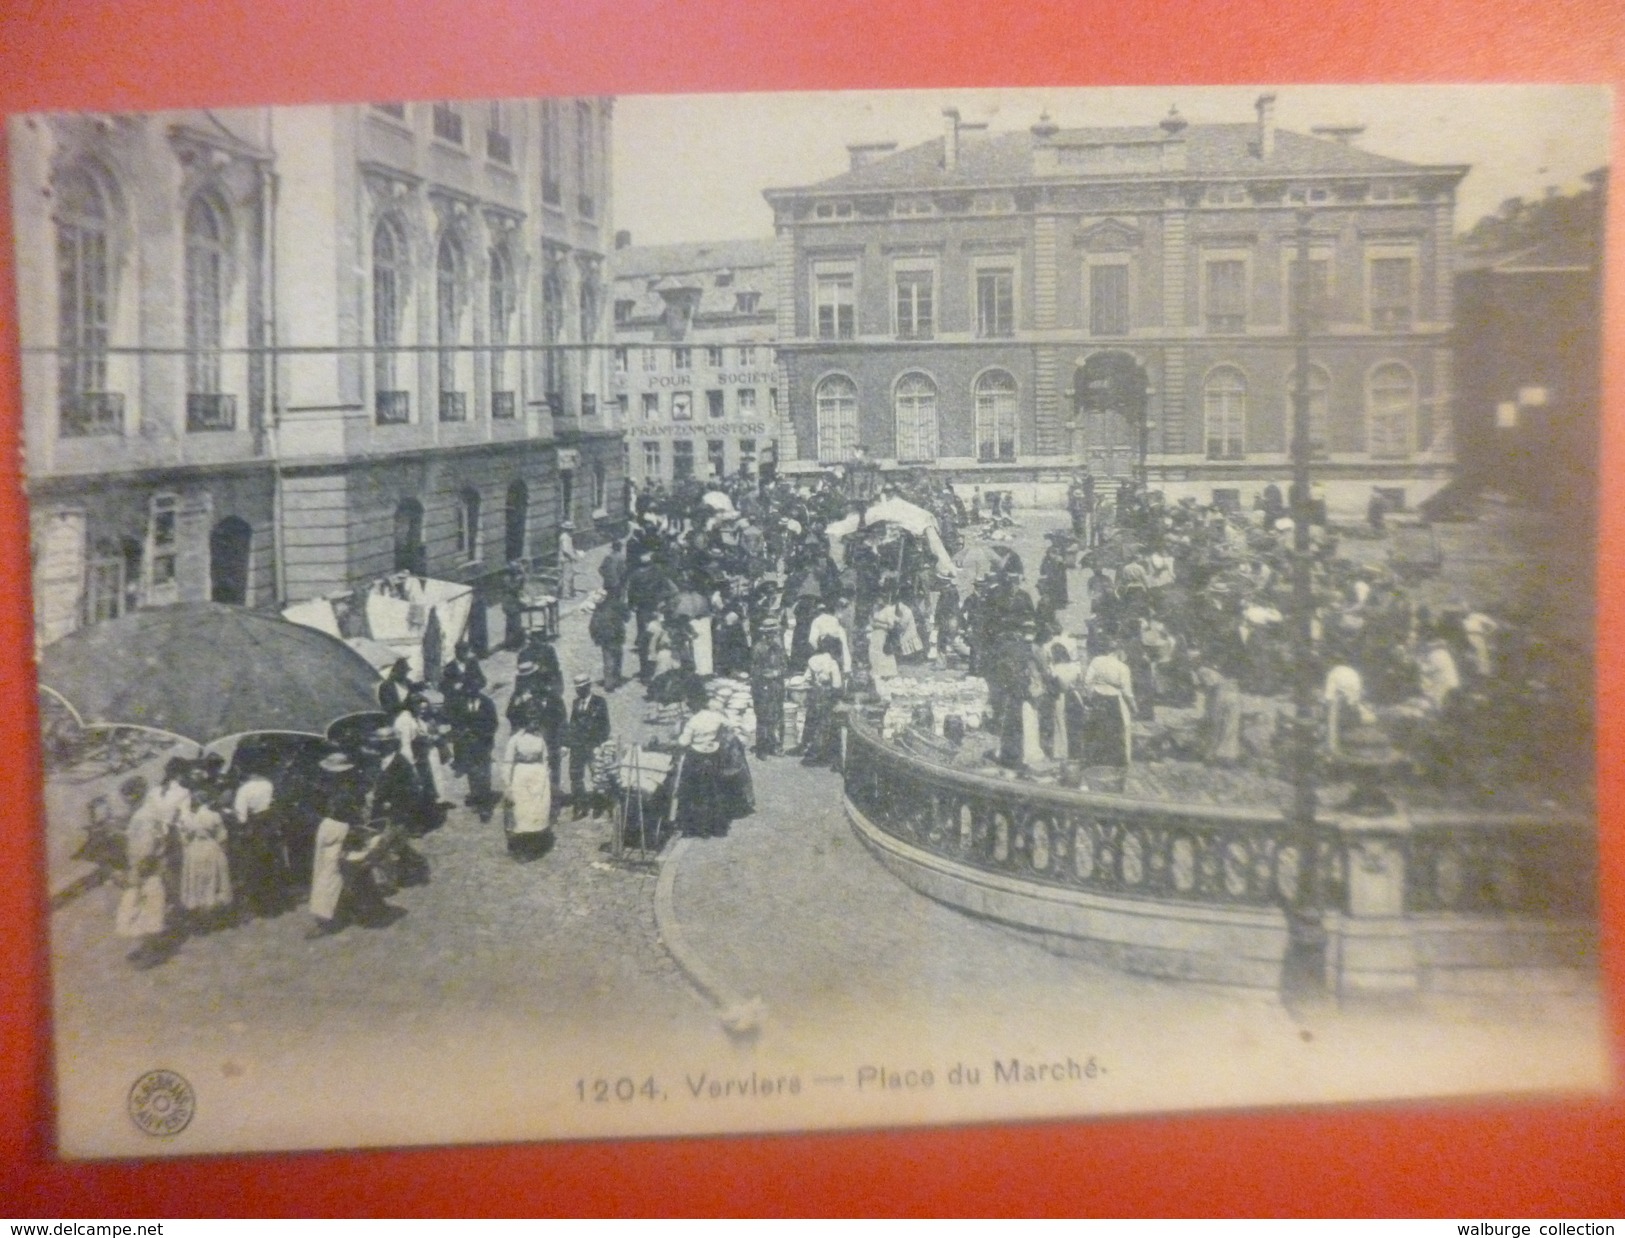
x: 786, y: 586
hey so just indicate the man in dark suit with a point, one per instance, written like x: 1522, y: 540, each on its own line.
x: 474, y: 736
x: 587, y: 728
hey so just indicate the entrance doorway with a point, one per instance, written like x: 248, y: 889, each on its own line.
x: 515, y: 521
x: 230, y: 544
x: 410, y: 553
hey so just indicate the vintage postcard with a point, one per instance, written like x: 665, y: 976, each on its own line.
x: 586, y: 617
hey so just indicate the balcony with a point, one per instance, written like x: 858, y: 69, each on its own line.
x: 499, y: 146
x: 210, y: 410
x: 504, y: 406
x: 89, y: 413
x: 453, y: 406
x: 393, y: 408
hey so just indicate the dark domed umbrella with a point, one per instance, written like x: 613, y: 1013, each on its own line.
x: 205, y: 671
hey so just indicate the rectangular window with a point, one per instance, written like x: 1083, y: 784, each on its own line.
x: 682, y: 406
x: 773, y: 401
x: 622, y: 406
x: 1319, y: 304
x: 552, y: 152
x: 713, y: 358
x: 162, y: 520
x: 713, y: 403
x: 747, y: 401
x: 620, y: 360
x: 651, y: 360
x: 915, y: 317
x: 651, y: 405
x: 1391, y: 294
x: 714, y: 456
x: 747, y: 356
x: 1226, y: 296
x: 833, y: 304
x: 651, y: 457
x: 682, y: 459
x: 747, y: 456
x: 682, y: 358
x: 396, y: 110
x: 589, y: 404
x: 498, y: 138
x: 586, y: 161
x: 1108, y: 299
x: 623, y: 311
x: 995, y: 302
x: 746, y: 302
x: 448, y: 123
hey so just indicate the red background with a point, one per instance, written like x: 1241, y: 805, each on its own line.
x: 1482, y: 1160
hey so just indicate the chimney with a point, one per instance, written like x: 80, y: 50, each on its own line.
x: 1173, y: 124
x: 862, y: 154
x: 1266, y: 125
x: 623, y: 239
x: 950, y: 138
x: 1046, y: 128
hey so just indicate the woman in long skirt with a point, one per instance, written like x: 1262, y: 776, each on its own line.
x: 702, y: 807
x: 205, y: 892
x: 528, y: 807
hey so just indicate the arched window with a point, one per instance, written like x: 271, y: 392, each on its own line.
x: 916, y: 409
x: 448, y: 309
x: 995, y: 416
x: 1224, y: 411
x: 1390, y: 409
x: 1320, y: 384
x: 504, y: 297
x: 468, y: 525
x: 84, y: 308
x: 206, y: 256
x: 389, y: 276
x: 836, y: 405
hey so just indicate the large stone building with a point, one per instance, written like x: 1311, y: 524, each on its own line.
x: 270, y: 354
x: 693, y: 370
x: 938, y: 305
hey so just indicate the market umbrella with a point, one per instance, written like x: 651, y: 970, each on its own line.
x: 205, y: 671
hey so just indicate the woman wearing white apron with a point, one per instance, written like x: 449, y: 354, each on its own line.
x: 529, y: 790
x: 141, y: 907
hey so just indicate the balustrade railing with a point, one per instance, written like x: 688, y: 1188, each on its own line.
x: 1454, y: 862
x: 1097, y: 843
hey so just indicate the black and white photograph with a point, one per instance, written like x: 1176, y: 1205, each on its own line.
x: 658, y: 615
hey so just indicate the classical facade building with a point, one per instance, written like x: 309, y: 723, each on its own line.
x: 272, y: 353
x: 693, y: 369
x: 939, y: 305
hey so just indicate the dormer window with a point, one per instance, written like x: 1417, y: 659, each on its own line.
x: 746, y: 302
x: 1225, y: 195
x: 833, y: 210
x: 623, y: 311
x: 724, y: 279
x: 913, y: 206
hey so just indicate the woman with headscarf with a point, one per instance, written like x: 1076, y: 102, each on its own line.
x: 820, y: 737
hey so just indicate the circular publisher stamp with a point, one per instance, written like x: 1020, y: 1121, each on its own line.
x: 162, y: 1103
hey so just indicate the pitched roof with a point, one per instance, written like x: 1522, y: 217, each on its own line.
x: 1211, y: 150
x: 690, y: 258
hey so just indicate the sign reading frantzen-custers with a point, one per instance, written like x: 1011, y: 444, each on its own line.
x: 701, y: 429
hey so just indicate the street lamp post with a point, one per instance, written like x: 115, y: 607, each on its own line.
x: 1307, y: 940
